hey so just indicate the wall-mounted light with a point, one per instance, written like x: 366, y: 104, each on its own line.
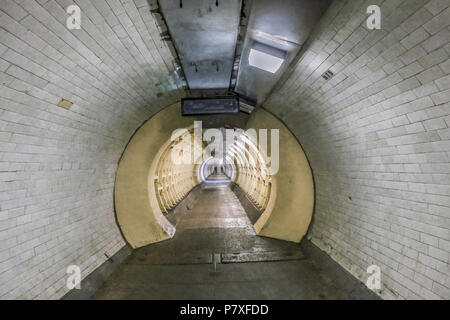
x: 266, y: 57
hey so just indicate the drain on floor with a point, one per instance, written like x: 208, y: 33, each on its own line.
x: 216, y: 258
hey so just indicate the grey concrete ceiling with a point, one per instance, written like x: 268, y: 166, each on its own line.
x: 213, y: 40
x: 204, y: 33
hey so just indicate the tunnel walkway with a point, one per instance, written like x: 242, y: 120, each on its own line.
x: 217, y: 228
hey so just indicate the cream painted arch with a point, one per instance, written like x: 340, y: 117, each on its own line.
x: 287, y: 211
x: 291, y: 203
x: 138, y: 214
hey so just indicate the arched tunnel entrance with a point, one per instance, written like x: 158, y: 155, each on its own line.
x: 236, y: 149
x: 216, y: 170
x: 159, y: 168
x: 216, y: 196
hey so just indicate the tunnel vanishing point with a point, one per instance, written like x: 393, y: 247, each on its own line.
x: 224, y: 149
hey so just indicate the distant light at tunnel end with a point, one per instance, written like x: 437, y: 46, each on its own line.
x: 264, y: 61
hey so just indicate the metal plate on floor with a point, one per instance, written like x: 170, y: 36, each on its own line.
x: 263, y: 256
x: 164, y: 259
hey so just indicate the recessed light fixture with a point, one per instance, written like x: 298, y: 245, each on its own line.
x: 266, y: 57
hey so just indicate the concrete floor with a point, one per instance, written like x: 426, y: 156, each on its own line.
x: 217, y: 228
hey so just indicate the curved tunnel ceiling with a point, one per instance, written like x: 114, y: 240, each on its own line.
x: 214, y: 41
x: 283, y: 25
x: 376, y: 135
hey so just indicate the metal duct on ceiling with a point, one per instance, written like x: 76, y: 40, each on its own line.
x: 204, y: 33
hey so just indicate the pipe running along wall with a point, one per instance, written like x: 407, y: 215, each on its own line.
x: 154, y: 176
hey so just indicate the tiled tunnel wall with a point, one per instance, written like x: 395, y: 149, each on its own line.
x: 377, y: 138
x: 376, y: 135
x: 57, y: 166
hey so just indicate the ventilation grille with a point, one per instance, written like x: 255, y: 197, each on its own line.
x: 328, y: 75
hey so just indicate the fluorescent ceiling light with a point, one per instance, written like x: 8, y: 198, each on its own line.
x: 265, y: 57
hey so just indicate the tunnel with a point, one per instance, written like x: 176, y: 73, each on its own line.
x: 224, y: 149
